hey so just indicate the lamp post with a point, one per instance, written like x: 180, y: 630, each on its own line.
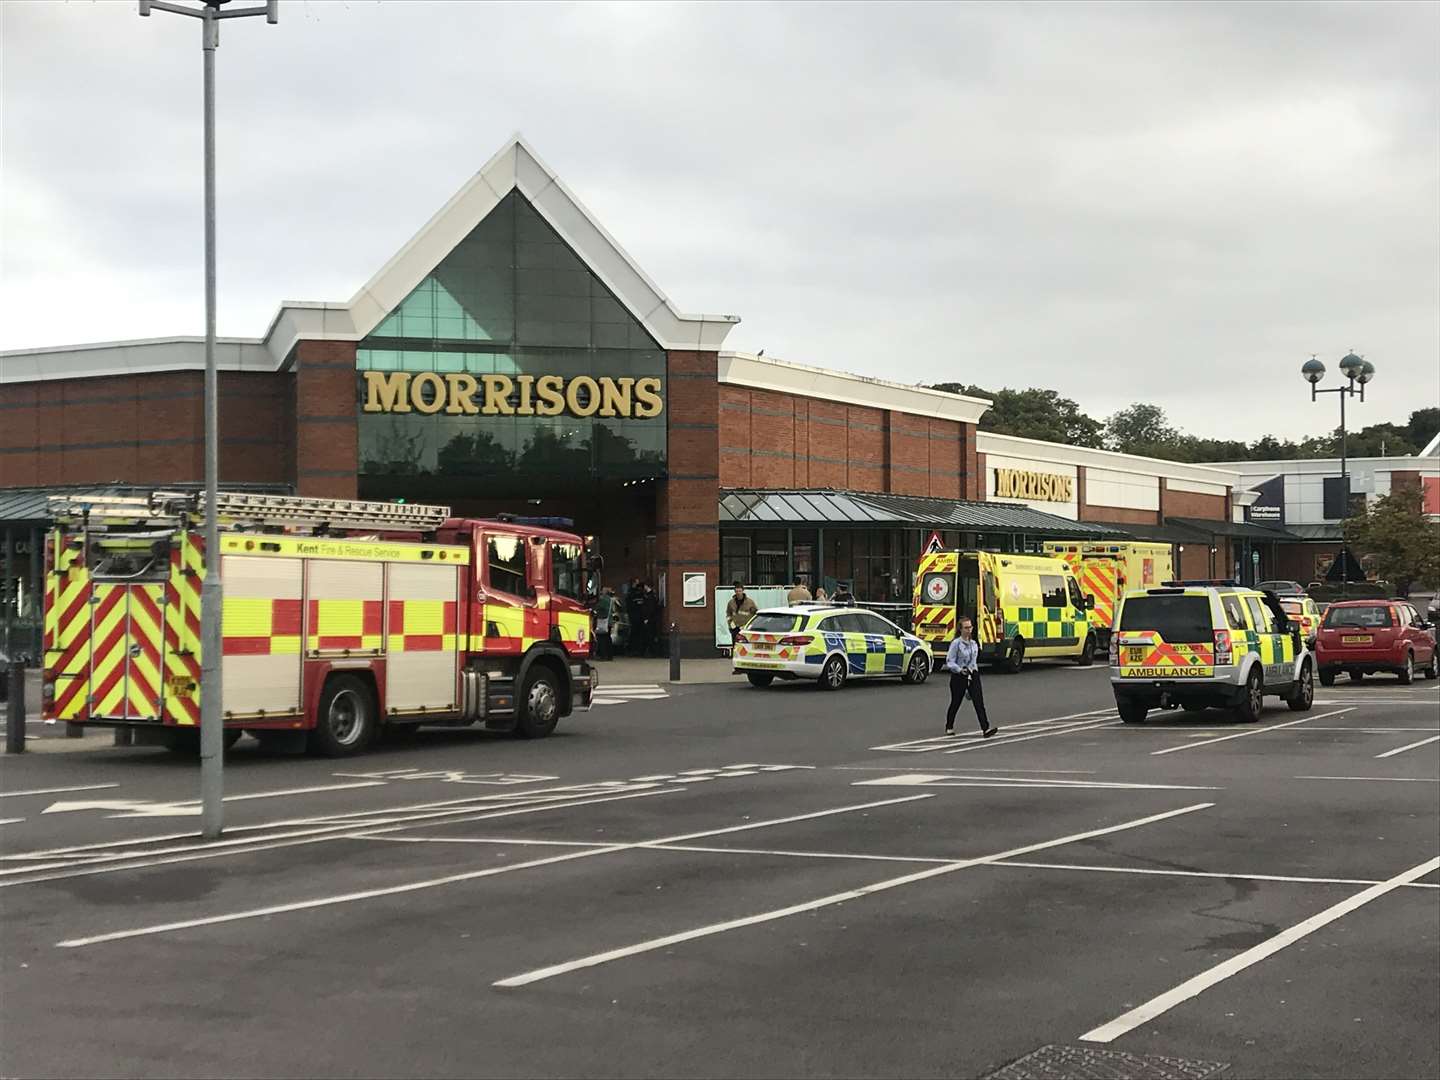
x: 1358, y: 372
x: 212, y: 718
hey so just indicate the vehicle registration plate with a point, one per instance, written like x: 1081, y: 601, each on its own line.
x: 1136, y: 654
x: 1357, y: 639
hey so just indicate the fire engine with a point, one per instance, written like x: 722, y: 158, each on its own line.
x: 340, y: 617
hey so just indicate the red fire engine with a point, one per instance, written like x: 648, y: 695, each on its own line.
x: 339, y: 617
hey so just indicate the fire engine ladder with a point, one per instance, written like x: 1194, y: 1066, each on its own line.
x: 243, y: 510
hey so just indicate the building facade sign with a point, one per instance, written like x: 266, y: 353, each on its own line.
x: 463, y: 394
x: 1041, y: 487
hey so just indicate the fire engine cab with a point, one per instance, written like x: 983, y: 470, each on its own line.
x: 340, y: 617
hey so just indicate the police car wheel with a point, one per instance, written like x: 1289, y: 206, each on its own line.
x: 761, y: 679
x: 1248, y: 711
x: 832, y: 674
x: 918, y: 671
x: 1087, y: 653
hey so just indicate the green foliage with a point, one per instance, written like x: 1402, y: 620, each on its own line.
x: 1035, y: 414
x: 1394, y: 538
x: 1144, y: 429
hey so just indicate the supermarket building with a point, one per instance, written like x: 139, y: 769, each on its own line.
x: 512, y: 358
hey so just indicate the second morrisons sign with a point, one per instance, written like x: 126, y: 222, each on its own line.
x: 461, y: 394
x: 1042, y: 487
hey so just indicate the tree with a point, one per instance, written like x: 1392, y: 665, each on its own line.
x: 480, y: 454
x: 1377, y: 440
x: 1396, y: 539
x: 1424, y: 425
x: 1141, y: 429
x: 1033, y: 414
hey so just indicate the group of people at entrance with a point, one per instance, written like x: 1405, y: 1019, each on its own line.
x: 629, y: 622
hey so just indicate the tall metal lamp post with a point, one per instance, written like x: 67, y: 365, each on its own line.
x: 212, y: 718
x: 1358, y: 372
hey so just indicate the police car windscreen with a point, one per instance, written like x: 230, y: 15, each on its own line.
x: 1177, y: 619
x: 772, y: 622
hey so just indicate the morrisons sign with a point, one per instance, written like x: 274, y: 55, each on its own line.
x: 1041, y: 487
x: 461, y: 394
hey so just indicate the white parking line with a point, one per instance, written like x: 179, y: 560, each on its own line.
x: 939, y: 742
x: 55, y: 790
x: 825, y: 901
x: 416, y: 886
x: 1190, y: 988
x: 1208, y: 874
x: 1387, y: 779
x: 120, y: 863
x: 1412, y: 746
x: 1252, y: 731
x: 1003, y: 740
x: 11, y: 820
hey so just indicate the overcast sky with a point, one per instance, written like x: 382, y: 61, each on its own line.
x: 1173, y: 203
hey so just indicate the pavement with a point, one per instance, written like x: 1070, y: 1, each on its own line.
x: 709, y: 879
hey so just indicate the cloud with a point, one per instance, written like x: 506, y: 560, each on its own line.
x: 1165, y: 202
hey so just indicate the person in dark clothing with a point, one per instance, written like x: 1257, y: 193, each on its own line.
x: 843, y: 595
x: 962, y: 661
x: 649, y: 610
x: 634, y: 601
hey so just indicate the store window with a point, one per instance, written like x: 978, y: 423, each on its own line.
x: 511, y: 305
x: 735, y: 560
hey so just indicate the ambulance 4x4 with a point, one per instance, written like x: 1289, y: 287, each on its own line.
x: 1201, y: 644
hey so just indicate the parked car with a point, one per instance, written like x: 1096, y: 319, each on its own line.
x: 1365, y: 637
x: 1282, y: 588
x: 827, y: 644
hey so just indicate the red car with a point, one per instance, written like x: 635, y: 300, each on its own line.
x: 1361, y: 637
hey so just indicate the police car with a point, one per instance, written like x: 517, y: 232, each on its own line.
x: 1198, y: 644
x: 828, y: 644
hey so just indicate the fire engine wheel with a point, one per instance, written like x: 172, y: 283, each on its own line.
x: 539, y: 705
x: 346, y: 722
x: 1087, y: 654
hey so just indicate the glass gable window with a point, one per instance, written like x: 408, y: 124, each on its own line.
x: 511, y: 363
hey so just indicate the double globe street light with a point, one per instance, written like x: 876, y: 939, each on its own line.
x: 1358, y: 372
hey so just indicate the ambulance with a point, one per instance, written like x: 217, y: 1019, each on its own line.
x: 1107, y: 570
x: 1024, y: 606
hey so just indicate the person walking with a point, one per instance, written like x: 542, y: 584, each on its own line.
x: 962, y: 661
x: 739, y: 611
x: 798, y: 594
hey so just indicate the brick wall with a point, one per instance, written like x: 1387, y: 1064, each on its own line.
x: 686, y: 512
x: 144, y: 429
x: 327, y: 451
x: 774, y: 440
x: 1192, y: 505
x: 1091, y: 512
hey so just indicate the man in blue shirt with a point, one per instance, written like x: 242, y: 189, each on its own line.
x: 962, y: 661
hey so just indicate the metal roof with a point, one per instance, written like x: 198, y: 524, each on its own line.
x: 839, y: 508
x: 29, y: 506
x: 1239, y: 530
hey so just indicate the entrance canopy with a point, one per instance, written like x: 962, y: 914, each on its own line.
x: 837, y: 509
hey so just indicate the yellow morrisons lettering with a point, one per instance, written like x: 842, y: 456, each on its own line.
x: 1041, y: 487
x: 429, y: 392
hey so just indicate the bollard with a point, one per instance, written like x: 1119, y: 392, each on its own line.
x: 674, y: 653
x: 15, y: 717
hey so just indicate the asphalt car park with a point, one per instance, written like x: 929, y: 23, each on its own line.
x: 716, y: 881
